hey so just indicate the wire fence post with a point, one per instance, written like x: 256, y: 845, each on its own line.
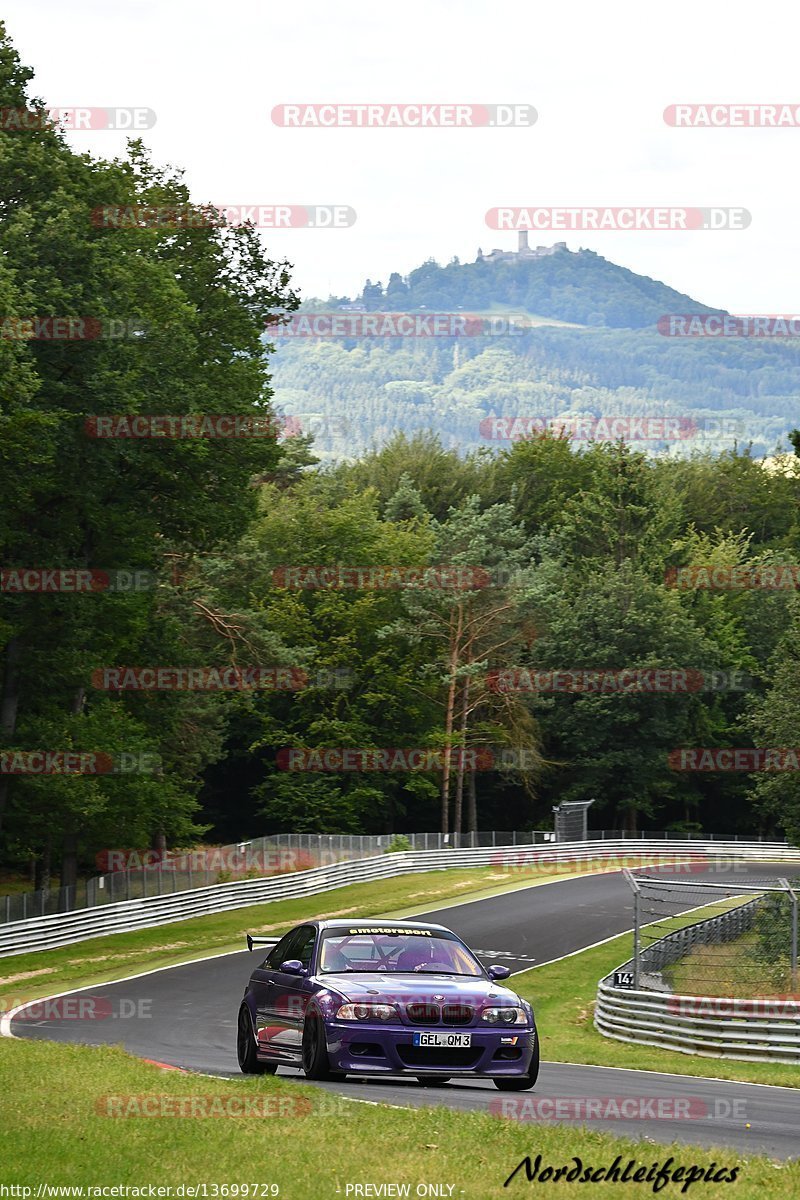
x: 634, y: 886
x: 793, y: 899
x: 794, y: 942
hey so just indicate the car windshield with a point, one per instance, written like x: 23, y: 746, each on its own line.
x: 397, y: 951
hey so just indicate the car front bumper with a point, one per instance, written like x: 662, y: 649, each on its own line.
x: 367, y: 1049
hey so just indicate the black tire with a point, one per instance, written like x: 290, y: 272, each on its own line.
x: 433, y: 1080
x: 316, y: 1064
x: 249, y: 1063
x: 521, y: 1083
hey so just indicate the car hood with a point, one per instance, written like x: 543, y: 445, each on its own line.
x: 374, y: 986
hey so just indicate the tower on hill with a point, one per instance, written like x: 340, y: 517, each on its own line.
x: 523, y: 250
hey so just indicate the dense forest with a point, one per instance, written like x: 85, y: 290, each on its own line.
x: 485, y: 570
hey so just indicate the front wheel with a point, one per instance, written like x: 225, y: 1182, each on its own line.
x: 249, y: 1063
x: 521, y: 1083
x: 316, y: 1063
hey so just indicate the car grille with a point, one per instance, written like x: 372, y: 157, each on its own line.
x: 432, y: 1014
x: 423, y: 1014
x: 457, y: 1014
x: 439, y: 1056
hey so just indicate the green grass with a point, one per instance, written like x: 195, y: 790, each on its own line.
x: 55, y: 1101
x: 731, y: 969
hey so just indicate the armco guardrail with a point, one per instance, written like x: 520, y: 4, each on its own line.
x: 62, y: 929
x: 711, y: 1026
x: 761, y: 1030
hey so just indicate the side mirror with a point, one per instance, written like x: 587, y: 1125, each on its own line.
x: 498, y: 972
x: 292, y: 966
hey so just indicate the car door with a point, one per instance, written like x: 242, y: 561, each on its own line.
x: 290, y: 994
x: 299, y: 988
x: 262, y: 986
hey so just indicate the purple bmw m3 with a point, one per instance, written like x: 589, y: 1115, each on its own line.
x: 374, y: 998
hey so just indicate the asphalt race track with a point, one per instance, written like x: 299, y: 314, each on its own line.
x: 187, y: 1018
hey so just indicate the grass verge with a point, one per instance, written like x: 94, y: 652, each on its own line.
x: 73, y: 1115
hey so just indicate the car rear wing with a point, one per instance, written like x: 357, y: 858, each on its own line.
x: 261, y: 941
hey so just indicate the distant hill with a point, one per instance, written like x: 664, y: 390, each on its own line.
x: 353, y: 393
x: 580, y: 287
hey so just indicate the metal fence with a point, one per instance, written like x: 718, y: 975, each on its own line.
x: 683, y: 990
x: 745, y: 943
x: 180, y: 871
x: 274, y: 855
x: 510, y: 862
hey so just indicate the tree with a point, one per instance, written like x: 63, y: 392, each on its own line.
x: 200, y: 294
x: 604, y: 617
x: 406, y: 503
x: 774, y: 720
x: 463, y: 620
x: 333, y: 634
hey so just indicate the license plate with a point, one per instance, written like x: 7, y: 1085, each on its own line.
x: 442, y: 1039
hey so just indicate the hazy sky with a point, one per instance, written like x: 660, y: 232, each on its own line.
x: 599, y: 76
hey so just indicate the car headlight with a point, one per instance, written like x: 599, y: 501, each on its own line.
x: 366, y: 1012
x: 504, y: 1016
